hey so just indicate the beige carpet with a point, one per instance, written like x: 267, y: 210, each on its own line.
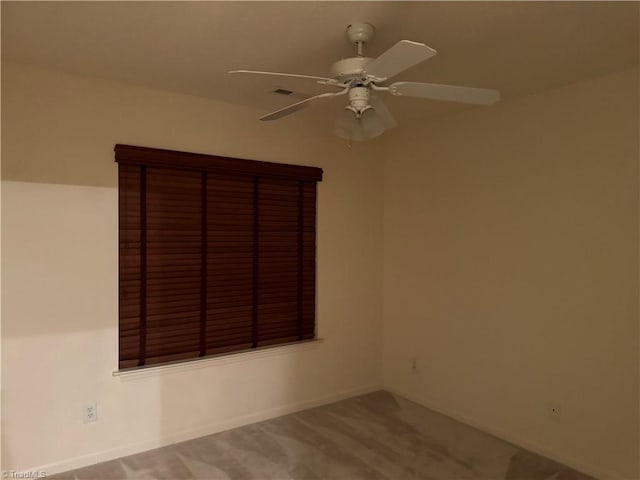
x: 374, y: 436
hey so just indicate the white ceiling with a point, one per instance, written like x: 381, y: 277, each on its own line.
x: 516, y: 47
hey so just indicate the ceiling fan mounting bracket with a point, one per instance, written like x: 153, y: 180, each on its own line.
x: 360, y: 32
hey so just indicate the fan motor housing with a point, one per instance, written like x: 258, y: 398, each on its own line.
x: 359, y: 99
x: 350, y: 68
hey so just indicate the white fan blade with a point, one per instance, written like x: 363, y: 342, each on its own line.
x: 404, y: 54
x: 277, y: 74
x: 383, y: 112
x: 283, y: 112
x: 451, y: 93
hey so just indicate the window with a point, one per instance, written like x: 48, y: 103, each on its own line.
x: 216, y: 254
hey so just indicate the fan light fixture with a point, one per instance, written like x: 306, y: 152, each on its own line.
x: 359, y: 121
x: 358, y: 128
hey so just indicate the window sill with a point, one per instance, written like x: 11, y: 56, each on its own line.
x: 214, y: 360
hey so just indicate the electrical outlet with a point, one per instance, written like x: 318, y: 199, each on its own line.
x: 553, y: 411
x: 414, y: 365
x: 90, y: 412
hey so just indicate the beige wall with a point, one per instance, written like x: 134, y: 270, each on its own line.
x: 511, y: 270
x: 510, y: 267
x: 59, y: 272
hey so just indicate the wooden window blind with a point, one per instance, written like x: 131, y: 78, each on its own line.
x: 216, y: 254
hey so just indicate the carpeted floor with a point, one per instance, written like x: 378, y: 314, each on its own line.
x: 374, y: 436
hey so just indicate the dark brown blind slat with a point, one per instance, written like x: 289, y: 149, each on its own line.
x: 129, y: 255
x: 255, y: 265
x: 308, y: 270
x: 230, y: 262
x: 215, y: 257
x: 278, y: 254
x: 173, y: 262
x: 204, y: 250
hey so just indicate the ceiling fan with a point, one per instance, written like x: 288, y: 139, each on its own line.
x: 361, y: 78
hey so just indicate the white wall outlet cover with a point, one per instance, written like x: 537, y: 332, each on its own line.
x: 90, y: 412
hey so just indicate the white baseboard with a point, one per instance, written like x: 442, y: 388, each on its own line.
x: 581, y: 466
x: 123, y: 451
